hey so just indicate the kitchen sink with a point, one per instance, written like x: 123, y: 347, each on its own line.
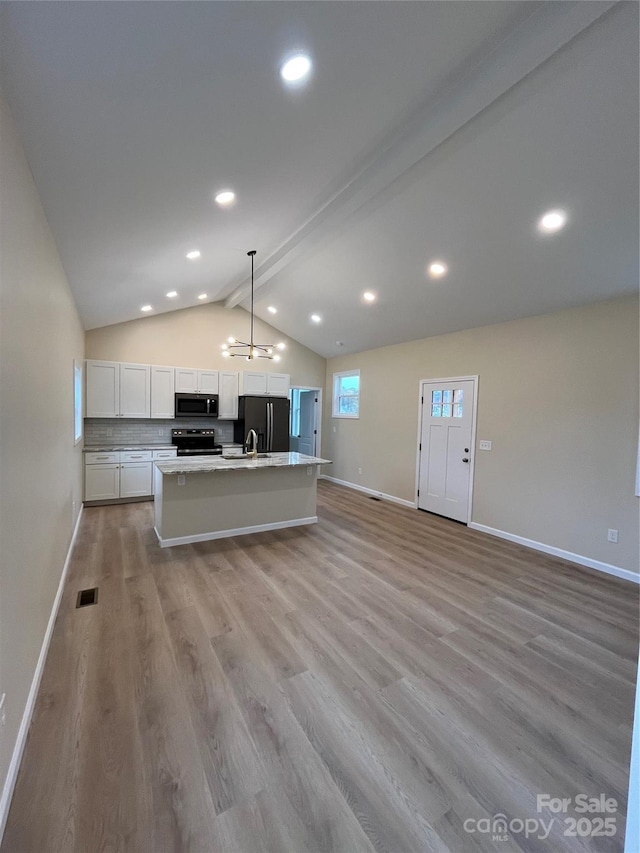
x: 247, y: 456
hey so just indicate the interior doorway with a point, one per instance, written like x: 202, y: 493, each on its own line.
x: 305, y: 420
x: 446, y: 446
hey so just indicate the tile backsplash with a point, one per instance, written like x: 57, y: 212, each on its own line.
x: 106, y: 431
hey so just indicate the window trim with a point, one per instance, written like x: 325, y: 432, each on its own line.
x: 335, y: 407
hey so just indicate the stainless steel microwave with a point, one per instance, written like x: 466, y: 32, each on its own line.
x: 196, y: 405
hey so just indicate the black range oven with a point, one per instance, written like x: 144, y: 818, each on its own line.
x: 196, y: 406
x: 195, y: 442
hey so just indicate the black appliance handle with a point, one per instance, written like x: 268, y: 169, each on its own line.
x: 270, y: 425
x: 268, y: 441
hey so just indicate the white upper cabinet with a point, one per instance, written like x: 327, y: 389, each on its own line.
x: 102, y: 389
x: 207, y: 381
x: 228, y: 399
x: 162, y: 392
x: 186, y: 380
x: 272, y: 384
x: 192, y: 381
x: 135, y: 391
x: 252, y: 382
x: 278, y: 384
x: 116, y: 390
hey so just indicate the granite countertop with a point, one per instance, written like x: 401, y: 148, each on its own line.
x: 111, y: 448
x: 208, y: 464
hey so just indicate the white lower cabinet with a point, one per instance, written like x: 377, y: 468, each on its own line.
x: 101, y: 482
x: 136, y: 479
x: 126, y: 474
x: 164, y: 454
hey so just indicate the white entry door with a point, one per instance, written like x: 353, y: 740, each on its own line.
x: 446, y: 447
x: 307, y: 436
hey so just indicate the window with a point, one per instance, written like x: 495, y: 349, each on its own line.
x: 77, y: 402
x: 445, y: 404
x: 346, y: 394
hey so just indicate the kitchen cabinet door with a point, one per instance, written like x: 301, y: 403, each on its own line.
x: 135, y: 390
x: 162, y: 392
x: 101, y: 482
x: 102, y: 389
x: 228, y: 399
x: 252, y: 382
x: 207, y: 382
x: 278, y: 384
x: 135, y: 479
x: 186, y: 380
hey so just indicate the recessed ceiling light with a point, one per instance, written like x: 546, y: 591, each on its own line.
x: 225, y: 197
x: 316, y: 318
x: 296, y: 69
x: 281, y: 345
x: 146, y: 308
x: 368, y: 296
x: 437, y: 269
x: 272, y: 310
x: 552, y: 221
x: 202, y: 296
x: 172, y: 294
x: 193, y: 256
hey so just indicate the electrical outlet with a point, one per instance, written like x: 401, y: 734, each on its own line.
x: 109, y: 431
x: 160, y: 431
x: 485, y: 445
x: 309, y: 471
x: 181, y: 479
x: 359, y: 470
x: 334, y: 429
x: 612, y: 535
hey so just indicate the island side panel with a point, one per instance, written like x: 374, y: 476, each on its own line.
x: 158, y: 479
x: 220, y: 501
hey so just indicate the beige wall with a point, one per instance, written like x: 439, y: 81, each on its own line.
x: 558, y: 397
x: 40, y: 469
x: 192, y: 338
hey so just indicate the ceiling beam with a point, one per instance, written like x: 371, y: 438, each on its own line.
x: 476, y: 86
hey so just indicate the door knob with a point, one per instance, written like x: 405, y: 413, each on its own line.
x: 465, y: 459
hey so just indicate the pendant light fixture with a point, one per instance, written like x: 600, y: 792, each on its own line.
x: 251, y: 350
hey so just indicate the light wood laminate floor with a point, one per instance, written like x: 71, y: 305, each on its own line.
x: 379, y: 681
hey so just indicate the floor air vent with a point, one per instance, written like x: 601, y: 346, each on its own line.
x: 87, y: 597
x: 375, y: 498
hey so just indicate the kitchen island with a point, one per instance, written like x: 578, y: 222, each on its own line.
x: 212, y: 497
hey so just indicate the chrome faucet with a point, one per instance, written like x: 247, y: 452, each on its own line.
x: 252, y: 434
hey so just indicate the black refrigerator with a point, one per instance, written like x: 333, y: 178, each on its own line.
x: 269, y: 417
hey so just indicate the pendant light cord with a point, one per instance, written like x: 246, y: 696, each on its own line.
x: 252, y: 253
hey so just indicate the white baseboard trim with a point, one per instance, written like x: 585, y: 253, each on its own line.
x: 238, y: 531
x: 392, y: 498
x: 23, y: 731
x: 599, y: 566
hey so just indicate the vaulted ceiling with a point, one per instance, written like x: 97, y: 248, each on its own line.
x: 427, y: 130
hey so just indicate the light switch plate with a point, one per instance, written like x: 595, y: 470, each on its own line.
x: 485, y: 445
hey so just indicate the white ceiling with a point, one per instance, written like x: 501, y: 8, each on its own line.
x: 429, y: 129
